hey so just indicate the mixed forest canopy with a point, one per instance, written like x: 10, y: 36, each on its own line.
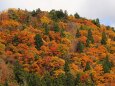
x: 40, y: 48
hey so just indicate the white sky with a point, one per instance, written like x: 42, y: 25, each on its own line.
x: 102, y: 9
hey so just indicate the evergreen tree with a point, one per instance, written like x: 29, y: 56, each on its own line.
x: 46, y: 29
x: 60, y: 80
x: 77, y: 80
x: 66, y: 67
x: 47, y: 80
x: 106, y: 65
x: 78, y: 34
x: 87, y: 66
x: 38, y: 41
x: 69, y: 79
x: 12, y: 14
x: 15, y: 40
x: 87, y: 43
x: 76, y: 15
x: 33, y: 80
x: 89, y: 36
x: 96, y: 22
x: 62, y: 33
x: 104, y: 38
x: 80, y: 47
x: 56, y: 27
x: 19, y: 73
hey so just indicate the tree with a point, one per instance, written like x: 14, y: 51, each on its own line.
x: 38, y: 41
x: 87, y: 43
x: 19, y: 73
x: 47, y: 80
x: 15, y: 40
x: 96, y: 22
x: 62, y: 33
x: 104, y: 38
x: 69, y: 80
x: 60, y: 80
x: 78, y: 80
x: 66, y: 67
x: 80, y: 47
x: 78, y: 34
x: 89, y: 36
x: 76, y: 15
x: 57, y: 15
x: 46, y: 29
x: 33, y: 80
x: 106, y: 65
x: 56, y: 27
x: 87, y: 67
x: 12, y: 14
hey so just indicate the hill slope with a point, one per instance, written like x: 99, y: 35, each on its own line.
x: 53, y: 48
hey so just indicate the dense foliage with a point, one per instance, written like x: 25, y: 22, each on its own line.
x: 39, y: 48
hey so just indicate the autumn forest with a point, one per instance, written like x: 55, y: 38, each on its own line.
x: 41, y: 48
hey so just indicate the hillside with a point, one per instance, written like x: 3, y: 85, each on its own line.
x: 39, y: 48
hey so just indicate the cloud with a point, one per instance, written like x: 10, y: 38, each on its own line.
x: 102, y: 9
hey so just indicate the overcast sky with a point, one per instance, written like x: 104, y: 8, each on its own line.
x: 102, y: 9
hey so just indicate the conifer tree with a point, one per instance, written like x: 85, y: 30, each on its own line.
x: 38, y: 41
x: 33, y: 80
x: 76, y: 15
x: 47, y: 80
x: 60, y: 80
x: 69, y: 80
x: 104, y: 38
x: 89, y: 36
x: 66, y: 67
x: 80, y: 47
x: 106, y: 65
x: 56, y: 27
x: 87, y: 43
x: 46, y: 29
x: 87, y: 66
x: 77, y: 80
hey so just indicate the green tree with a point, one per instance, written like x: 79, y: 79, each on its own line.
x: 15, y: 40
x: 12, y: 14
x: 56, y: 27
x: 57, y: 15
x: 89, y: 36
x: 38, y: 41
x: 106, y: 65
x: 87, y: 67
x: 78, y: 34
x: 87, y: 43
x: 60, y: 80
x: 104, y: 38
x: 62, y: 33
x: 78, y: 80
x: 69, y: 79
x: 47, y: 80
x: 66, y: 67
x: 46, y: 29
x: 19, y: 73
x: 76, y: 15
x: 33, y: 80
x: 80, y: 47
x: 96, y: 22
